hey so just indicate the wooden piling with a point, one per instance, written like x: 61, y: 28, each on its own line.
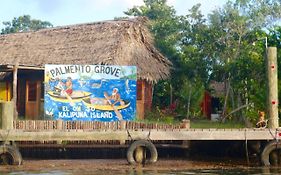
x: 14, y: 99
x: 272, y: 94
x: 59, y: 124
x: 7, y: 115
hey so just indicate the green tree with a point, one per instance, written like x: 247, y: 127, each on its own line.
x: 217, y: 48
x: 164, y: 25
x: 24, y: 23
x: 234, y: 27
x: 194, y: 64
x: 169, y: 33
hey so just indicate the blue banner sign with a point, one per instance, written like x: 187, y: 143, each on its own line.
x: 90, y: 92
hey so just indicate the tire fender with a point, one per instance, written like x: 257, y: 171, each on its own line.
x: 13, y: 152
x: 267, y: 150
x: 143, y: 143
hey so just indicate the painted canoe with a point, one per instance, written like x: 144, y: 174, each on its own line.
x: 101, y: 104
x: 76, y: 96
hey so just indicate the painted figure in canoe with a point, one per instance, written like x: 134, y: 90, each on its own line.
x: 68, y: 86
x: 114, y: 98
x: 109, y: 102
x: 64, y: 92
x: 64, y: 89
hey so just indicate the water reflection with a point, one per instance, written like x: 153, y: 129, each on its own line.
x: 246, y: 171
x: 121, y: 167
x: 140, y: 171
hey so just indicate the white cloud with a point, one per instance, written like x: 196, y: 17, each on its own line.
x: 65, y: 12
x: 131, y: 3
x: 106, y: 4
x: 171, y: 2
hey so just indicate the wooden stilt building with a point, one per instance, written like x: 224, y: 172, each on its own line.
x: 117, y: 42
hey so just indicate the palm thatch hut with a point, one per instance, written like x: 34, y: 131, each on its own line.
x: 116, y: 42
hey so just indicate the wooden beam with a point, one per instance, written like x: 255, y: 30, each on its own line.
x: 191, y: 134
x: 10, y: 68
x: 27, y: 67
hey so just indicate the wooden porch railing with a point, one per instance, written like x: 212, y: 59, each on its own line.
x: 91, y: 125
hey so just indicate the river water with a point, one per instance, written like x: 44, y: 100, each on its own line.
x: 120, y: 167
x: 208, y: 160
x: 250, y: 171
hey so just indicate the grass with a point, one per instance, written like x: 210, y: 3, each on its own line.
x: 196, y: 123
x: 213, y: 124
x: 167, y: 120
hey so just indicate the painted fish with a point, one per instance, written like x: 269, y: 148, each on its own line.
x: 98, y: 85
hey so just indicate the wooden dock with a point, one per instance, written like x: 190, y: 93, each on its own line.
x: 133, y: 135
x: 152, y: 134
x: 49, y: 130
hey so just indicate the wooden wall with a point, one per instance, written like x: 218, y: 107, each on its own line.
x: 5, y: 91
x: 144, y: 98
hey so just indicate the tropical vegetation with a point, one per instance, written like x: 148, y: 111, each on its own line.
x: 215, y: 48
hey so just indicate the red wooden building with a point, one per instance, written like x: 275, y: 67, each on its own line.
x: 211, y: 103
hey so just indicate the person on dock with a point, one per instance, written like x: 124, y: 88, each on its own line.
x: 262, y: 123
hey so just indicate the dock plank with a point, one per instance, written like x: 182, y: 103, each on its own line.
x: 153, y: 134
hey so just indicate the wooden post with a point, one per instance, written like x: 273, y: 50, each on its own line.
x: 59, y: 124
x: 122, y: 127
x: 7, y: 115
x: 272, y: 94
x: 15, y: 79
x: 171, y: 94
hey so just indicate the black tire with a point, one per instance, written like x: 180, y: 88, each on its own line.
x: 271, y: 146
x: 142, y: 143
x: 10, y: 155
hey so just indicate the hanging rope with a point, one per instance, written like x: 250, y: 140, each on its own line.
x: 246, y: 148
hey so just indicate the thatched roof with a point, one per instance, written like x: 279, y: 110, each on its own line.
x: 117, y: 42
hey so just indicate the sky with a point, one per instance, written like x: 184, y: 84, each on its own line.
x: 68, y: 12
